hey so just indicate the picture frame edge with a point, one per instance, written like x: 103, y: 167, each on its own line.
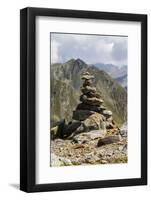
x: 27, y: 97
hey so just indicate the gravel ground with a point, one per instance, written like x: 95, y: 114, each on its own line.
x: 83, y: 150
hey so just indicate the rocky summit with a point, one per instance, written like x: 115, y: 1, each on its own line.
x: 92, y: 136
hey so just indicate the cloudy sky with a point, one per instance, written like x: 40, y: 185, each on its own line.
x: 90, y: 48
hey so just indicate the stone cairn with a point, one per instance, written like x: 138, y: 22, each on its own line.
x: 89, y: 118
x: 91, y: 100
x: 91, y: 112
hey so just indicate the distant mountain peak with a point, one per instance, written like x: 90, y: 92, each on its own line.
x: 77, y: 61
x: 72, y: 60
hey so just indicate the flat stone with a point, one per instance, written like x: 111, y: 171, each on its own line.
x: 83, y: 106
x: 93, y: 94
x: 91, y: 101
x: 107, y: 113
x: 109, y: 140
x: 81, y: 115
x: 88, y: 136
x: 86, y: 73
x: 87, y: 89
x: 87, y: 77
x: 87, y: 83
x: 102, y: 108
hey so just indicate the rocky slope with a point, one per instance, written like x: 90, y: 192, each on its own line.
x: 122, y: 81
x: 83, y: 150
x: 117, y: 73
x: 113, y: 70
x: 65, y: 90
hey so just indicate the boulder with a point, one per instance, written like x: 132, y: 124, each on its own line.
x: 53, y: 132
x: 109, y: 140
x: 71, y: 128
x: 58, y: 131
x: 93, y: 122
x: 86, y: 137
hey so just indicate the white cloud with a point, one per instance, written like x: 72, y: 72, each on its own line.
x: 90, y: 48
x: 54, y: 51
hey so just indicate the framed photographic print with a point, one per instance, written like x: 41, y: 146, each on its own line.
x: 83, y: 99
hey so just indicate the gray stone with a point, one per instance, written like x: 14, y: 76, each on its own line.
x: 81, y: 115
x: 91, y: 100
x: 86, y: 73
x: 123, y: 130
x: 109, y: 140
x: 53, y: 132
x: 87, y: 77
x: 58, y: 131
x: 107, y: 113
x: 104, y: 162
x: 93, y: 94
x: 83, y: 106
x: 109, y: 125
x: 110, y: 119
x: 57, y: 161
x: 87, y: 83
x: 87, y: 89
x: 88, y: 136
x: 93, y: 122
x: 72, y: 127
x: 102, y: 108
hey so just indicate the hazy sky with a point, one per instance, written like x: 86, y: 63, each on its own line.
x: 90, y: 48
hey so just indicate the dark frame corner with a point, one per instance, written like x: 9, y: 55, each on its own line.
x: 27, y: 98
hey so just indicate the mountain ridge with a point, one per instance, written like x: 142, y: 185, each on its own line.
x: 65, y: 90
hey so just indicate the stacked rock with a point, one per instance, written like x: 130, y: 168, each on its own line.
x: 91, y: 100
x: 91, y: 103
x: 109, y: 119
x: 90, y: 114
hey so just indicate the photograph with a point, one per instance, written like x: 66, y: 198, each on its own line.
x: 88, y: 99
x: 83, y: 84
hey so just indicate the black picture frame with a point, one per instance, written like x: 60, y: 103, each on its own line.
x: 28, y: 99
